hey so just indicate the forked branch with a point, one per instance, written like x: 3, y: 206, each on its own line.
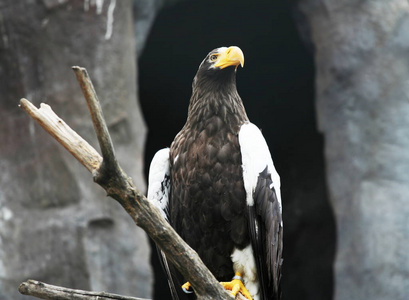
x: 109, y: 175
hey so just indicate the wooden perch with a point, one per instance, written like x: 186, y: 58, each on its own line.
x: 51, y: 292
x: 109, y: 175
x: 47, y: 291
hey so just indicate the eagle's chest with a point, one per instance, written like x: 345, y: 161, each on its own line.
x: 207, y: 202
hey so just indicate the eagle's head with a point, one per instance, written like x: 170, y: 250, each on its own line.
x: 219, y: 66
x: 214, y: 91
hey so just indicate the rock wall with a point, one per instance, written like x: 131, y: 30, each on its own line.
x: 361, y: 53
x: 56, y: 225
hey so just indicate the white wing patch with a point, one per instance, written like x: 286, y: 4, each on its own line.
x: 256, y: 157
x: 159, y: 181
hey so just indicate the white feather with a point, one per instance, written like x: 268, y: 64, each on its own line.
x: 256, y: 157
x: 243, y: 262
x: 159, y: 181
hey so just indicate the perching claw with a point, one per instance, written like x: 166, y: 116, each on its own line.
x: 186, y: 287
x: 236, y: 286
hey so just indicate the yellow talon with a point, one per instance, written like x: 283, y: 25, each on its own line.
x: 236, y: 286
x: 186, y: 288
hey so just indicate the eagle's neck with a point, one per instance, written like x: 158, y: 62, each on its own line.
x: 211, y: 99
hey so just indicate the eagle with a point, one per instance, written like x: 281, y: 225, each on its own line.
x: 218, y: 188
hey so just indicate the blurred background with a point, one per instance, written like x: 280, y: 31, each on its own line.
x: 326, y: 81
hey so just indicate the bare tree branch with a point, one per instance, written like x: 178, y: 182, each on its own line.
x: 95, y: 110
x: 50, y: 292
x: 67, y: 137
x: 109, y: 175
x: 46, y: 291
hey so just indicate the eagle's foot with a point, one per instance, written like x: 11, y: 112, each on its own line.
x: 186, y: 287
x: 236, y: 286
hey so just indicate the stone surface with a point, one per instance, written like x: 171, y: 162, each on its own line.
x: 145, y: 12
x: 361, y: 53
x: 56, y: 225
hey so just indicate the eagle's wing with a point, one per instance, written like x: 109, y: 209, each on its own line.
x: 262, y: 185
x: 158, y: 194
x: 159, y: 181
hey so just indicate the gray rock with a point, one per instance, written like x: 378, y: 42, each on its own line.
x: 145, y: 12
x: 361, y: 52
x: 56, y: 225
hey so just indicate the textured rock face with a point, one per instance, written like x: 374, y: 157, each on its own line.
x: 56, y: 225
x: 361, y: 55
x: 145, y: 12
x: 144, y: 15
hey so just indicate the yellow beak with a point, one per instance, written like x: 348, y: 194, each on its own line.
x: 232, y: 56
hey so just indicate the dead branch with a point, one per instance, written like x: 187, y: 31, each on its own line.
x: 97, y: 116
x: 109, y: 175
x: 47, y: 291
x: 67, y: 137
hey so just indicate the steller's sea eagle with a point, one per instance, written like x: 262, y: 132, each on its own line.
x: 218, y: 188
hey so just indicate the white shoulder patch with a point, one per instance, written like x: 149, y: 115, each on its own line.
x: 256, y: 157
x: 159, y: 181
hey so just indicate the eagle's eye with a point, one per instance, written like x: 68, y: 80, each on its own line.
x: 213, y: 57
